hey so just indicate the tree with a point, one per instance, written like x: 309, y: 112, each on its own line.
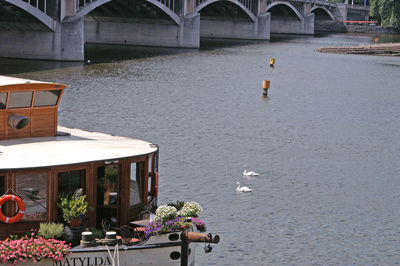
x: 374, y: 10
x: 387, y: 12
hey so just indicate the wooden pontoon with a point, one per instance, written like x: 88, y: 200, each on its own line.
x: 372, y: 49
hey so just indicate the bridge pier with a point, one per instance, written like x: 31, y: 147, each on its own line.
x: 235, y: 28
x: 289, y: 25
x: 146, y: 32
x: 64, y: 44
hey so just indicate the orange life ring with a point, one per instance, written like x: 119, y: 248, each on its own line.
x: 21, y: 209
x: 156, y: 184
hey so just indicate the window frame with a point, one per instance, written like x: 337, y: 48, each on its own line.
x: 7, y: 93
x: 23, y: 91
x: 49, y: 105
x: 48, y: 196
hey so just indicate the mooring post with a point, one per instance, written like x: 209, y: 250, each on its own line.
x: 265, y: 87
x: 271, y: 62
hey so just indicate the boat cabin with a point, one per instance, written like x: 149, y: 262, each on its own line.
x: 39, y: 161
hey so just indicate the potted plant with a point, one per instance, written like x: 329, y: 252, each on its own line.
x: 177, y: 216
x: 51, y: 230
x: 73, y: 208
x: 31, y: 249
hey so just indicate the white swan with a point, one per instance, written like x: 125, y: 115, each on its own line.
x: 249, y: 173
x: 242, y: 189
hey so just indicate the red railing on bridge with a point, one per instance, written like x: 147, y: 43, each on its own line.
x: 361, y: 21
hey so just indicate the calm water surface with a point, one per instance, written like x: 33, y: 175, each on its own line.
x: 326, y: 140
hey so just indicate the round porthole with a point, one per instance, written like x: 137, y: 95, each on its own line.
x: 175, y: 255
x: 173, y: 237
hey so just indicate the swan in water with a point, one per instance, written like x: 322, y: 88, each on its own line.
x: 242, y: 189
x: 249, y: 173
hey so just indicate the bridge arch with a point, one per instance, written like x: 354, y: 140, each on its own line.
x: 240, y: 5
x: 299, y: 16
x: 36, y: 12
x: 88, y: 8
x: 325, y: 10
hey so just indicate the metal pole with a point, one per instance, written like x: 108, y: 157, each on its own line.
x: 184, y: 252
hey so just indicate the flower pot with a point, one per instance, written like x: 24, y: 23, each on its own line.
x: 42, y: 262
x: 75, y: 223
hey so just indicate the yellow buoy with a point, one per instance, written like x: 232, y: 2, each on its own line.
x: 271, y: 61
x: 266, y: 84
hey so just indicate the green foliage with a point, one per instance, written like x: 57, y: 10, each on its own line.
x: 73, y: 207
x: 97, y: 233
x: 374, y: 10
x: 178, y: 205
x: 387, y: 12
x: 395, y: 16
x: 51, y: 230
x: 13, y: 237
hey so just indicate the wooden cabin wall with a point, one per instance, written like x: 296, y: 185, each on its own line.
x: 3, y: 125
x: 43, y: 123
x: 43, y: 118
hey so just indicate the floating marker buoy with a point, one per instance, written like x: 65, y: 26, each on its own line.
x: 271, y: 61
x: 266, y: 84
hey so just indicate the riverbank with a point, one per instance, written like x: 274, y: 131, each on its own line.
x: 328, y: 27
x: 373, y: 49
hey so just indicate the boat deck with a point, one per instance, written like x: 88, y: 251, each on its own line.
x: 71, y: 146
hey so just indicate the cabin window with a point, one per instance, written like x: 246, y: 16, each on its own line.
x: 71, y: 182
x: 107, y: 194
x: 46, y: 97
x: 135, y: 197
x: 3, y: 100
x: 151, y: 176
x: 33, y: 189
x: 107, y: 184
x: 20, y: 99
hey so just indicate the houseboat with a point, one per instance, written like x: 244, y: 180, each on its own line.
x: 118, y: 176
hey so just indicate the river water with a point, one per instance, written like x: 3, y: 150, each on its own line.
x: 325, y: 142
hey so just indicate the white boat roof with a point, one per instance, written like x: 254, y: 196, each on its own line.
x: 6, y: 81
x: 78, y: 147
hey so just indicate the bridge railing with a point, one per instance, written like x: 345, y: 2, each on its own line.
x: 39, y: 4
x: 247, y: 3
x: 82, y: 3
x: 168, y: 3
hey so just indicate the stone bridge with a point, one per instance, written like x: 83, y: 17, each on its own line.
x: 58, y: 29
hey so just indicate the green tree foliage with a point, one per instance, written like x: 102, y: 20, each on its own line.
x: 395, y: 17
x: 374, y: 10
x: 387, y: 12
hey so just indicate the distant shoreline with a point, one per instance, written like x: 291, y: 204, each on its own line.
x: 392, y: 49
x: 329, y: 27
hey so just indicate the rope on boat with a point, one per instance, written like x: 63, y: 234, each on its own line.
x: 112, y: 257
x: 12, y: 192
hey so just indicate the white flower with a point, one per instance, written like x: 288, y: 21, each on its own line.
x: 165, y: 212
x: 190, y: 209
